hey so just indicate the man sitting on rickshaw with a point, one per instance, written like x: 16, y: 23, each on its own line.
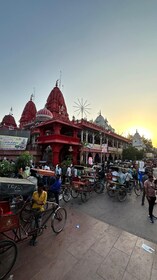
x: 39, y: 199
x: 55, y: 187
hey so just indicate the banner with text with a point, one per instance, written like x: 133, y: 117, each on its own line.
x: 12, y: 142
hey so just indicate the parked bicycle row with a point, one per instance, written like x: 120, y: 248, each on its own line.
x: 27, y: 211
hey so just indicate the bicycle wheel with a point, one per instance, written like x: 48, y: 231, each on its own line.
x: 108, y: 186
x: 122, y: 194
x: 25, y: 214
x: 66, y: 195
x: 59, y: 218
x: 137, y: 189
x: 99, y: 187
x: 74, y: 193
x: 85, y: 195
x: 8, y: 255
x: 111, y: 190
x: 105, y: 185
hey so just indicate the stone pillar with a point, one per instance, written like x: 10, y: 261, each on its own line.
x: 75, y: 133
x: 93, y: 142
x: 112, y: 142
x: 57, y: 128
x: 100, y: 139
x: 41, y: 132
x: 81, y: 156
x: 55, y: 154
x: 86, y: 136
x: 82, y: 136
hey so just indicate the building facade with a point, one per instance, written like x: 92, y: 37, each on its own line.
x: 53, y: 137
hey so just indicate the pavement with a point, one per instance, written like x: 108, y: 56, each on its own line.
x: 87, y: 249
x: 128, y: 215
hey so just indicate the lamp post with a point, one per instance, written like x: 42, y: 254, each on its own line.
x: 70, y: 149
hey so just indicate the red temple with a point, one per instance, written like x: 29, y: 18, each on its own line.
x: 53, y: 138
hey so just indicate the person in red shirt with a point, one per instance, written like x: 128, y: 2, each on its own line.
x: 150, y: 188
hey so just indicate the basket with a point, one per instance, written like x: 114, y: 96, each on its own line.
x: 75, y: 186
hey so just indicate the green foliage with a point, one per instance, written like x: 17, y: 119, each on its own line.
x: 140, y: 154
x: 148, y: 144
x: 6, y: 168
x: 130, y: 137
x: 67, y: 161
x: 132, y: 153
x: 23, y: 160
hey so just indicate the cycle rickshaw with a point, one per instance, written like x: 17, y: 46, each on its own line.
x: 85, y: 183
x: 46, y: 176
x: 16, y: 222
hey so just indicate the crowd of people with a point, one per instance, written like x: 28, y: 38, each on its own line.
x: 144, y: 173
x: 146, y: 177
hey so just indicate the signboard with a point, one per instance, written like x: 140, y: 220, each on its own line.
x: 149, y: 155
x: 12, y: 142
x: 104, y: 148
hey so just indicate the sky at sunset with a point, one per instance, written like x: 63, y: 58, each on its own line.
x: 105, y: 52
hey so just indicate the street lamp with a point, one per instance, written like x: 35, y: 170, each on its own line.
x: 70, y: 149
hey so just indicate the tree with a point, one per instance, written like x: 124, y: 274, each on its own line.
x: 131, y: 153
x: 23, y: 160
x: 130, y: 137
x: 6, y: 168
x: 148, y: 144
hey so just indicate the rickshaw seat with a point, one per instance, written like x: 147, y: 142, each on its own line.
x: 5, y: 208
x: 8, y: 220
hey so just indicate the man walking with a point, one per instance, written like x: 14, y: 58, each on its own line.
x: 144, y: 178
x: 150, y: 188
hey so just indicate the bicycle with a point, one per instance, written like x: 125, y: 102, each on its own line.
x: 57, y: 214
x: 85, y: 187
x: 116, y: 189
x: 18, y: 227
x: 64, y: 194
x: 134, y: 185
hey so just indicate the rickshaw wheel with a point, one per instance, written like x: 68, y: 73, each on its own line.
x: 74, y: 193
x: 8, y: 255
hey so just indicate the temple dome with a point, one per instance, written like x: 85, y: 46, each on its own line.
x: 101, y: 121
x: 56, y: 104
x: 9, y: 121
x: 44, y: 115
x: 137, y: 141
x: 29, y: 113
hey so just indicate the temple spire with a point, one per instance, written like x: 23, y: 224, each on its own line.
x: 31, y: 98
x: 57, y: 83
x: 11, y: 111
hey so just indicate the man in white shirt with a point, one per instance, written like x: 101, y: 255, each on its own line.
x: 69, y: 173
x: 115, y: 175
x: 128, y: 177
